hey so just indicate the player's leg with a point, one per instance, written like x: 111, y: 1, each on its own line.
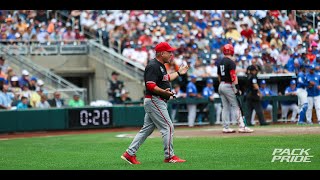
x: 270, y: 110
x: 225, y: 107
x: 161, y: 119
x: 259, y: 110
x: 218, y: 109
x: 303, y: 104
x: 145, y: 131
x: 174, y: 112
x: 309, y: 111
x: 317, y: 107
x: 192, y: 113
x: 234, y: 107
x: 253, y: 122
x: 300, y: 97
x: 284, y: 111
x: 225, y: 112
x: 302, y: 114
x: 249, y: 111
x: 295, y: 110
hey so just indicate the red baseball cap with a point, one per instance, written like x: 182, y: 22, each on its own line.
x: 164, y: 46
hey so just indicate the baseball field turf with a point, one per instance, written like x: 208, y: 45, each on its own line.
x: 102, y: 151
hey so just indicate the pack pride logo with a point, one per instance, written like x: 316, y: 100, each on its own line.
x: 294, y: 155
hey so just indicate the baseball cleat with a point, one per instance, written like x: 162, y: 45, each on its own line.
x: 130, y: 159
x: 245, y: 130
x: 228, y: 130
x: 174, y: 159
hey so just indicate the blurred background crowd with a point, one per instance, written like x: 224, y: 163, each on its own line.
x: 276, y: 40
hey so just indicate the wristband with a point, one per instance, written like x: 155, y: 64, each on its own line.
x: 178, y: 73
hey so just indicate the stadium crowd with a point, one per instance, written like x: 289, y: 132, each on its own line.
x: 274, y: 40
x: 36, y: 26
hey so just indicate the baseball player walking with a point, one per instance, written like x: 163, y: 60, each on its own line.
x: 228, y: 89
x: 302, y: 94
x: 158, y: 91
x: 313, y: 90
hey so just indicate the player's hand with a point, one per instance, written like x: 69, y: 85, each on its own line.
x: 319, y: 87
x: 183, y: 69
x: 311, y: 83
x: 168, y: 93
x: 238, y: 93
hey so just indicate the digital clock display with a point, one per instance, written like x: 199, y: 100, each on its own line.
x: 90, y: 117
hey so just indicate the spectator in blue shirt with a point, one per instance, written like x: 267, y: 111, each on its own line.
x: 293, y: 64
x: 293, y: 40
x: 313, y: 90
x: 24, y: 79
x: 200, y: 23
x: 216, y: 17
x: 286, y: 33
x: 217, y: 43
x: 5, y: 96
x: 23, y: 104
x: 247, y: 54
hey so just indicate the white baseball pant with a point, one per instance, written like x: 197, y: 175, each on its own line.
x: 316, y: 102
x: 285, y: 109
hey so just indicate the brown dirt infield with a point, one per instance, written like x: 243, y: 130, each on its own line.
x: 180, y: 131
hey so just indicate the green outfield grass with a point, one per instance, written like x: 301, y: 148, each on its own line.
x: 102, y: 151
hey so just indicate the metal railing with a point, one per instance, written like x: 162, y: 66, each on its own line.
x: 45, y: 48
x: 134, y: 70
x: 52, y: 81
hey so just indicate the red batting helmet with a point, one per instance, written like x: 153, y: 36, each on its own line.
x: 228, y: 49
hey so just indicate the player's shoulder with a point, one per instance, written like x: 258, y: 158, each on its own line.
x: 190, y: 84
x: 152, y: 64
x: 227, y: 61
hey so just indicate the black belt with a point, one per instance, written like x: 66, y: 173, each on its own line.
x: 150, y: 96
